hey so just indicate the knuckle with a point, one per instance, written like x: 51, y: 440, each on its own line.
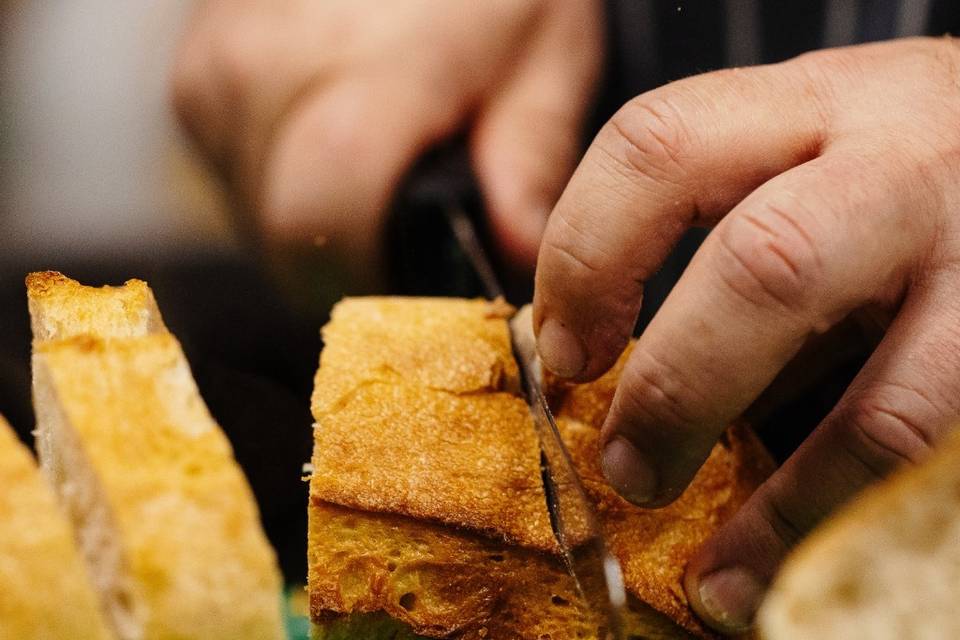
x: 648, y: 135
x: 882, y: 433
x: 213, y: 75
x: 573, y: 246
x: 236, y: 56
x: 577, y: 272
x: 786, y: 525
x: 771, y: 258
x: 656, y: 392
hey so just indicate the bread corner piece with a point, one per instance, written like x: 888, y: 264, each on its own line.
x: 427, y: 517
x: 886, y: 567
x: 163, y: 513
x: 61, y: 308
x: 45, y: 591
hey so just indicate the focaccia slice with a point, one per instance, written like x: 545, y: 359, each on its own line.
x: 45, y: 591
x: 163, y: 513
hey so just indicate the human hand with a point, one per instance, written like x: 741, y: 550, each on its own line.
x: 314, y: 111
x: 834, y: 184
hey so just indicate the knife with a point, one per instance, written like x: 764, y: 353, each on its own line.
x: 443, y: 185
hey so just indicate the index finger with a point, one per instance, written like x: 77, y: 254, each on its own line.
x: 678, y: 156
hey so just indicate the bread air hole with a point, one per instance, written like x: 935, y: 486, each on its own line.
x: 848, y: 592
x: 408, y: 601
x: 391, y: 566
x: 558, y: 601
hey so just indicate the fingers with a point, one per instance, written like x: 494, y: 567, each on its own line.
x: 899, y: 405
x: 314, y: 112
x: 335, y: 164
x: 788, y: 262
x: 527, y: 137
x: 670, y: 158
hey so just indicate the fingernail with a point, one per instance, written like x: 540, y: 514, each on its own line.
x: 730, y: 598
x: 628, y: 472
x: 560, y: 350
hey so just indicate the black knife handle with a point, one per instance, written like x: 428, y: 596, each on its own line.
x: 424, y: 256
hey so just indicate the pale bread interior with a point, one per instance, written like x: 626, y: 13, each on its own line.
x: 886, y: 567
x: 61, y: 459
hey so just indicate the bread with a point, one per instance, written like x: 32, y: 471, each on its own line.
x: 163, y: 513
x: 61, y: 307
x: 427, y: 513
x: 887, y: 566
x: 45, y: 592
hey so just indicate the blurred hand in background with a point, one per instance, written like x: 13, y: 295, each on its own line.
x: 314, y: 111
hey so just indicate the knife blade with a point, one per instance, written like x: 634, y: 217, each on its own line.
x: 443, y: 182
x: 596, y: 571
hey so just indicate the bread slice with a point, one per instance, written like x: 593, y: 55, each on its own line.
x: 163, y: 513
x: 45, y: 592
x: 427, y: 514
x: 887, y: 566
x: 61, y: 308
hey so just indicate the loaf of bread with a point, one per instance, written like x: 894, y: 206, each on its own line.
x: 886, y: 567
x: 45, y: 592
x: 427, y: 513
x: 164, y: 516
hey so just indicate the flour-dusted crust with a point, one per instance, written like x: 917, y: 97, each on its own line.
x: 418, y: 412
x: 425, y: 446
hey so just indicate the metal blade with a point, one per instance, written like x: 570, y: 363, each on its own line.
x: 596, y: 572
x: 466, y: 235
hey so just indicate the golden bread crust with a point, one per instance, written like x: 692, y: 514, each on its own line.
x: 653, y: 545
x: 413, y: 416
x: 386, y: 441
x: 461, y: 347
x: 61, y: 307
x: 447, y: 583
x: 45, y: 591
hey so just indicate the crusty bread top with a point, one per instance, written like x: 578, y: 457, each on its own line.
x: 45, y: 591
x: 186, y: 518
x: 450, y: 345
x: 654, y: 545
x: 387, y: 441
x: 417, y: 413
x: 62, y: 308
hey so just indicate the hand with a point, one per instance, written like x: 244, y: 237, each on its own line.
x: 314, y: 110
x: 834, y: 184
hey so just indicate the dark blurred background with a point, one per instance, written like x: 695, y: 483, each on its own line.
x: 96, y: 181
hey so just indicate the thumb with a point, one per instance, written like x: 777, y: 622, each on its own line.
x: 527, y: 136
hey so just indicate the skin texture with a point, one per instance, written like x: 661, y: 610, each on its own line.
x: 314, y: 111
x: 832, y: 182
